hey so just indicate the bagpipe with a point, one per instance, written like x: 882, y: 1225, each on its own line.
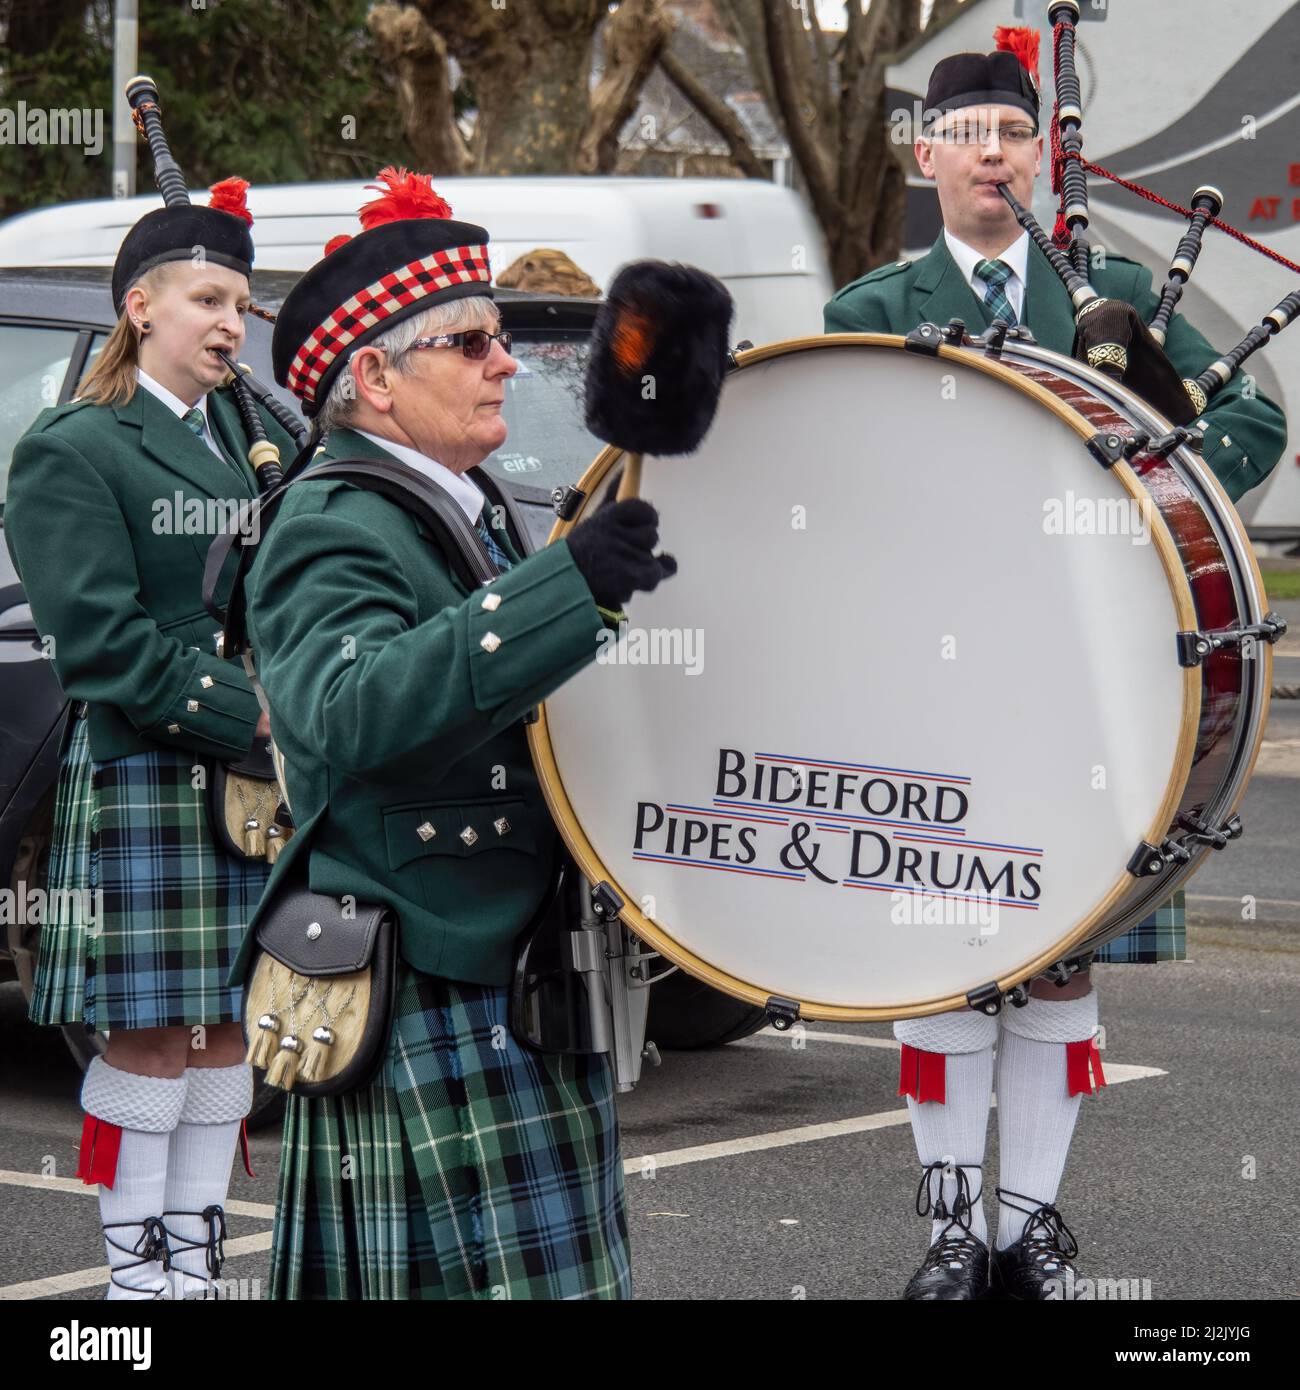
x: 246, y: 806
x: 1110, y: 334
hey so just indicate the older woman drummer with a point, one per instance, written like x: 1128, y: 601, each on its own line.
x: 470, y: 1166
x: 148, y: 907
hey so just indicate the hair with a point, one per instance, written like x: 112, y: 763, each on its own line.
x: 111, y: 378
x: 340, y: 404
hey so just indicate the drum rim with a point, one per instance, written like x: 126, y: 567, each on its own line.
x: 1194, y: 469
x: 566, y: 820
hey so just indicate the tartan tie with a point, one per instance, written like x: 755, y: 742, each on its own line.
x: 996, y: 274
x: 193, y: 417
x: 499, y: 558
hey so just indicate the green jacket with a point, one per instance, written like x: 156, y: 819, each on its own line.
x: 109, y: 514
x: 1244, y: 436
x: 399, y: 715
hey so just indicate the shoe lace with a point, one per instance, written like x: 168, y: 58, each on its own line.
x: 150, y: 1245
x: 1046, y: 1239
x: 930, y: 1202
x: 212, y: 1243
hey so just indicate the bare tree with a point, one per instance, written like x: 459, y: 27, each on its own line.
x: 827, y: 93
x: 528, y: 68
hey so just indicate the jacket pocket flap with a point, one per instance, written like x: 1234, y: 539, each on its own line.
x: 461, y: 830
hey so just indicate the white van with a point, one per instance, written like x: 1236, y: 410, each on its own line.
x: 758, y: 238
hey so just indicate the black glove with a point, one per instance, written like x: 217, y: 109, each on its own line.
x: 1111, y: 336
x: 613, y: 549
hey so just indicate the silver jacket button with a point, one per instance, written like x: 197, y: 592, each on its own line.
x: 426, y: 832
x: 313, y: 931
x: 469, y: 835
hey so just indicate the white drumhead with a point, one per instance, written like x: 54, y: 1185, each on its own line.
x: 890, y: 579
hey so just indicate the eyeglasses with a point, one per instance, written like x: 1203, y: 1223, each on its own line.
x: 977, y: 132
x: 475, y: 343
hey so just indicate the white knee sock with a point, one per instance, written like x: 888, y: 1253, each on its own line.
x: 1036, y: 1113
x: 198, y: 1169
x: 954, y: 1130
x: 145, y: 1109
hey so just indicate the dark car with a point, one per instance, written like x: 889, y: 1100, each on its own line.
x: 52, y: 322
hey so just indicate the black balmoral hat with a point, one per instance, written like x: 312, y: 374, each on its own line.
x: 1007, y: 77
x: 219, y: 233
x: 410, y: 256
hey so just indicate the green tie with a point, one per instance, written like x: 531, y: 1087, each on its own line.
x: 996, y: 274
x: 193, y: 417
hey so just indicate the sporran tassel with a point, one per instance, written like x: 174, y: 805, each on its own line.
x: 283, y: 1071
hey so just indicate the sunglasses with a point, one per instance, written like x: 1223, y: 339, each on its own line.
x: 475, y: 343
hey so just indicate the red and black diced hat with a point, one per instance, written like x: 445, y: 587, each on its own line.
x: 409, y: 256
x: 219, y: 233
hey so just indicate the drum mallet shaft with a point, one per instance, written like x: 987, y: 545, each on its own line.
x: 658, y: 357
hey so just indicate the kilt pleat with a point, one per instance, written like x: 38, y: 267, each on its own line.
x: 469, y: 1168
x: 59, y: 988
x: 171, y: 904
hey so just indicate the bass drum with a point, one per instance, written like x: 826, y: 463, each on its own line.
x: 910, y: 725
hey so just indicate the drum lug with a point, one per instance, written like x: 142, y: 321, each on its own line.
x: 1017, y: 996
x: 566, y: 501
x: 1194, y: 647
x: 994, y: 340
x: 1060, y: 973
x: 1107, y: 447
x: 782, y: 1014
x: 954, y: 333
x: 925, y: 338
x: 987, y: 999
x: 605, y: 901
x: 1148, y: 860
x: 743, y: 346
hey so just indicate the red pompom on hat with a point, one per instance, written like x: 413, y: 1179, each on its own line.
x: 230, y: 196
x: 335, y: 242
x: 1022, y: 42
x: 404, y: 195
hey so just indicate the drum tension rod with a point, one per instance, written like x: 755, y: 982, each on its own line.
x: 782, y: 1014
x: 1148, y: 859
x: 743, y: 346
x: 954, y: 333
x: 1200, y: 829
x: 1194, y: 647
x: 989, y: 998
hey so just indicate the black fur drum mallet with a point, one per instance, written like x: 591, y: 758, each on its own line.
x: 658, y: 357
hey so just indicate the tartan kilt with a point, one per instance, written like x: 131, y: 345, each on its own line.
x: 145, y: 910
x: 470, y: 1168
x: 1161, y: 936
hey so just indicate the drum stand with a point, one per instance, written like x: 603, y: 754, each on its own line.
x: 608, y: 946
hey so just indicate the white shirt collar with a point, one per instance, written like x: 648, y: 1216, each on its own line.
x: 465, y: 491
x: 172, y: 402
x: 1016, y: 256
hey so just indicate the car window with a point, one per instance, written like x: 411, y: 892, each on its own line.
x: 33, y: 363
x: 548, y: 445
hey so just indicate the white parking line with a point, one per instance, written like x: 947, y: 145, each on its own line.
x: 1116, y: 1074
x: 10, y: 1178
x: 97, y: 1278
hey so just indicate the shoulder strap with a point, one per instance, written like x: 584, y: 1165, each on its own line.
x: 399, y: 482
